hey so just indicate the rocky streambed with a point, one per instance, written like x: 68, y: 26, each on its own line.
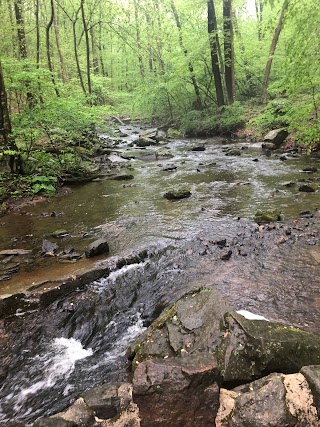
x: 67, y: 326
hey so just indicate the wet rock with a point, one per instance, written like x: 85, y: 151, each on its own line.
x: 276, y: 400
x: 168, y: 168
x: 145, y: 142
x: 226, y: 256
x: 124, y: 177
x: 200, y: 147
x: 263, y: 217
x: 149, y: 133
x: 255, y: 160
x: 191, y: 324
x: 179, y: 392
x: 98, y: 247
x: 163, y: 153
x: 276, y: 137
x: 289, y: 184
x: 9, y: 252
x: 79, y: 414
x: 60, y: 233
x: 283, y: 158
x: 306, y: 214
x: 309, y: 170
x: 101, y: 151
x: 69, y: 254
x: 268, y: 146
x: 307, y: 189
x: 114, y: 402
x: 221, y: 243
x: 48, y: 248
x: 233, y: 152
x: 180, y: 193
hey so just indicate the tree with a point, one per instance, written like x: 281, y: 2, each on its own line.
x: 228, y: 50
x: 214, y: 43
x: 7, y: 143
x: 277, y: 31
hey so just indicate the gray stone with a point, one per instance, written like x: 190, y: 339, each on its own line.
x: 312, y: 375
x: 276, y: 137
x: 98, y: 247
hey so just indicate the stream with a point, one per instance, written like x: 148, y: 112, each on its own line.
x: 49, y: 356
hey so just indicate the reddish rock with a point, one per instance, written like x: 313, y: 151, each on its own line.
x: 179, y: 392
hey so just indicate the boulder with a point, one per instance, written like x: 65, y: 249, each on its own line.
x: 180, y: 193
x: 78, y: 414
x: 263, y: 217
x: 245, y: 349
x: 276, y: 137
x: 145, y: 142
x: 276, y: 400
x: 192, y: 324
x: 312, y: 375
x: 98, y: 247
x: 269, y: 146
x: 179, y: 392
x: 254, y: 348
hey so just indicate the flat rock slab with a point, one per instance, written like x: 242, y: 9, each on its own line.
x: 98, y: 247
x: 8, y: 252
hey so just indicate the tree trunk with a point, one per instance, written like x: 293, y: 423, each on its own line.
x: 95, y: 60
x: 259, y: 8
x: 75, y: 47
x: 48, y: 27
x: 61, y: 58
x: 22, y: 43
x: 212, y: 31
x: 86, y: 32
x: 7, y: 142
x: 36, y: 12
x: 198, y: 100
x: 138, y: 37
x: 264, y: 94
x: 20, y: 29
x: 228, y: 50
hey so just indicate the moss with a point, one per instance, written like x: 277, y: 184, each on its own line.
x: 180, y: 193
x: 263, y: 217
x: 168, y: 315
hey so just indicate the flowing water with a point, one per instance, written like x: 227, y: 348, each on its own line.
x: 80, y: 340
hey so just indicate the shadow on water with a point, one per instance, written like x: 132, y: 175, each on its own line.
x: 273, y: 271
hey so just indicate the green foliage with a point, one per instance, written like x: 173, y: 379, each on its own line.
x: 273, y: 116
x: 222, y: 120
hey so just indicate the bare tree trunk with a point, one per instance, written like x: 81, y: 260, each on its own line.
x: 48, y: 27
x: 22, y: 43
x: 228, y: 50
x: 138, y: 37
x: 212, y: 31
x: 6, y: 141
x: 61, y: 58
x: 86, y: 32
x: 38, y: 46
x: 199, y: 105
x: 95, y: 60
x: 75, y: 47
x: 264, y: 94
x: 259, y: 8
x: 159, y: 35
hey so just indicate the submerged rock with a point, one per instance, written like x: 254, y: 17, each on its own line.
x: 98, y: 247
x: 307, y: 189
x: 263, y: 217
x: 180, y: 193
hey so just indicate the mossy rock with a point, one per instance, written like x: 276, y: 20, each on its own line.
x: 263, y: 217
x: 180, y: 193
